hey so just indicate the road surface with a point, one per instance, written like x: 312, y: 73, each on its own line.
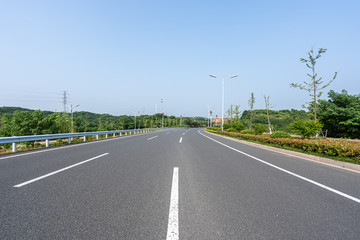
x: 178, y: 184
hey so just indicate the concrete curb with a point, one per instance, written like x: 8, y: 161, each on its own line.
x: 326, y: 161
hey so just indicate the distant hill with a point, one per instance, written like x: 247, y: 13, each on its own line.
x: 11, y: 110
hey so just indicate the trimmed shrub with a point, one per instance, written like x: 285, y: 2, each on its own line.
x: 213, y: 129
x: 306, y: 128
x: 231, y: 129
x: 259, y: 128
x: 238, y: 125
x: 280, y: 134
x: 248, y: 131
x: 227, y: 126
x: 337, y: 148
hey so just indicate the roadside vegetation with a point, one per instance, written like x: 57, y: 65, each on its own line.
x: 16, y: 121
x: 338, y: 117
x: 337, y: 149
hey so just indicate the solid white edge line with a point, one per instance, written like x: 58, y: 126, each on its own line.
x: 173, y: 224
x: 286, y: 171
x: 60, y: 170
x: 180, y: 140
x: 152, y: 138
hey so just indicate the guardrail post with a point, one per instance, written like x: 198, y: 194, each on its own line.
x: 120, y: 134
x: 125, y: 133
x: 69, y: 140
x: 47, y: 142
x: 114, y: 135
x: 84, y: 138
x: 97, y: 137
x: 14, y: 149
x: 106, y: 135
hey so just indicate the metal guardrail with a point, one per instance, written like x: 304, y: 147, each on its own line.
x: 17, y: 139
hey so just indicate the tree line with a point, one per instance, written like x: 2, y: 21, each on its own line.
x: 20, y: 122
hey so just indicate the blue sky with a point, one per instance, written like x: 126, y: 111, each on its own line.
x: 120, y: 57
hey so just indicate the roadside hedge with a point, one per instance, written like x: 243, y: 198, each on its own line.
x: 329, y: 147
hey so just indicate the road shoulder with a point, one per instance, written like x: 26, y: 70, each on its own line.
x: 326, y: 161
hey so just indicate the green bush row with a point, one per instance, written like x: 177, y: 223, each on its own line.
x: 329, y: 147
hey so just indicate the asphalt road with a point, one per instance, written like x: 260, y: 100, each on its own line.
x: 178, y: 184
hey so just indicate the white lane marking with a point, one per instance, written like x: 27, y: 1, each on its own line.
x: 291, y: 173
x: 173, y: 224
x: 60, y: 170
x: 180, y: 140
x: 152, y: 137
x: 183, y: 133
x: 76, y: 145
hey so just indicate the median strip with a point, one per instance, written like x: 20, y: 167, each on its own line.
x: 58, y: 171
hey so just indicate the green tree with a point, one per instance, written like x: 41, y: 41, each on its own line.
x: 6, y: 125
x: 63, y: 122
x: 267, y: 105
x: 341, y: 114
x: 37, y: 126
x: 315, y: 84
x: 230, y: 112
x: 21, y: 123
x: 251, y: 105
x: 306, y: 128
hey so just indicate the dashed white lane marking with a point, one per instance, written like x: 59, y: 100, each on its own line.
x: 183, y: 133
x: 152, y: 137
x: 60, y: 170
x: 180, y: 140
x: 173, y: 224
x: 286, y: 171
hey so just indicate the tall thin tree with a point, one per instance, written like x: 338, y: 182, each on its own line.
x: 315, y: 85
x: 267, y: 104
x: 251, y: 105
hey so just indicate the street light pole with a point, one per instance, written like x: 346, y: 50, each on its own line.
x: 222, y: 105
x: 208, y: 122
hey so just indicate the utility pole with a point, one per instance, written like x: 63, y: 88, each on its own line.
x: 180, y: 120
x: 211, y: 118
